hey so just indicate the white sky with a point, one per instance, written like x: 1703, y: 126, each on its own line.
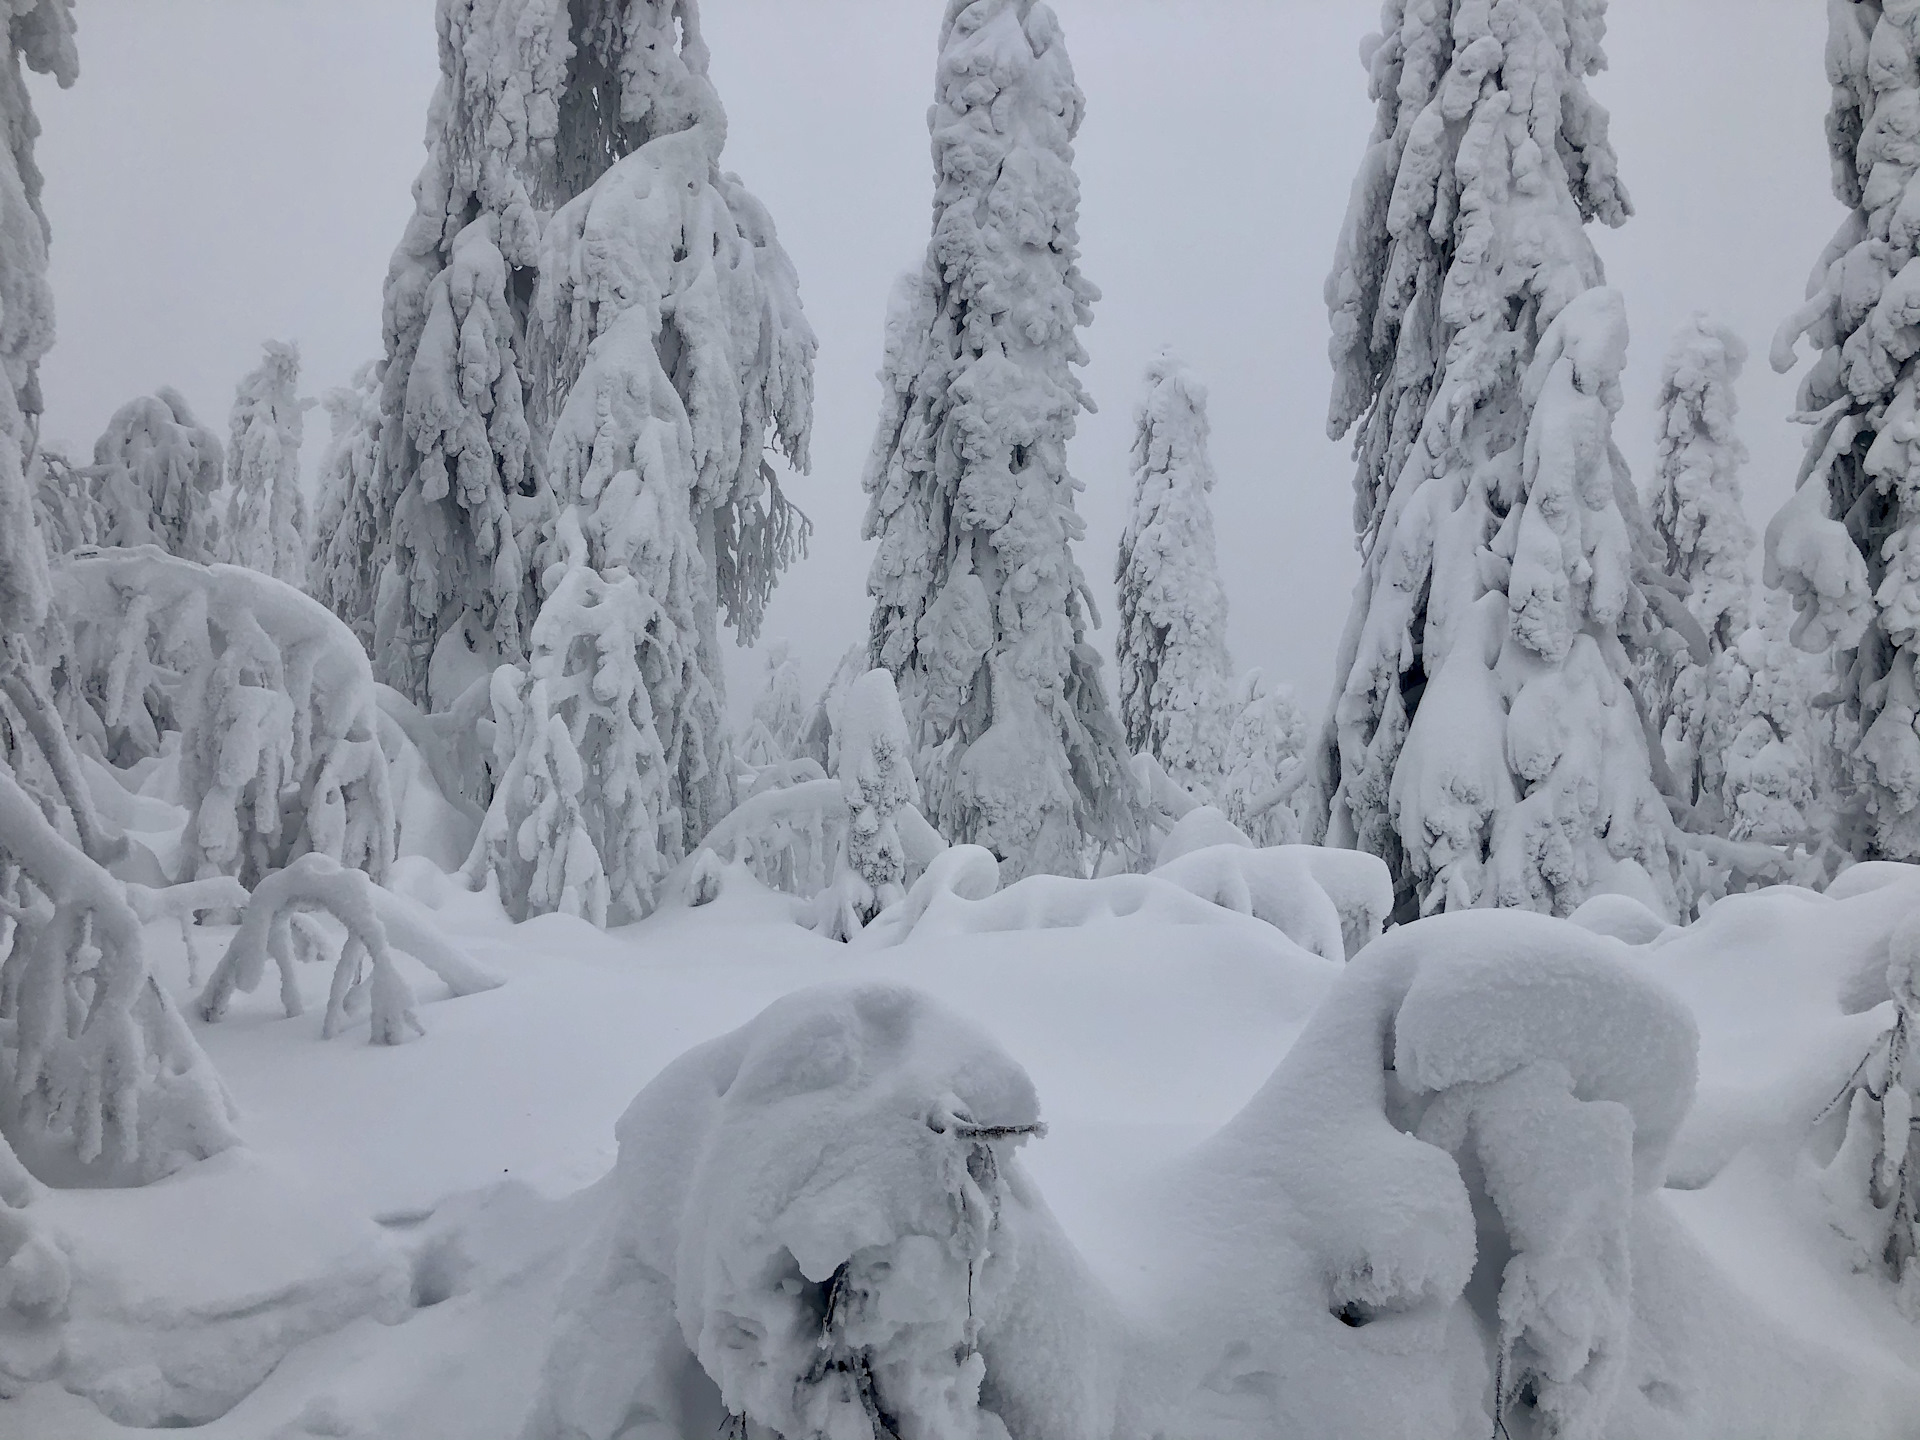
x: 228, y: 170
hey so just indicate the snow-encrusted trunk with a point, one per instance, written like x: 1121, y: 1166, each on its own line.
x: 1847, y: 545
x: 1703, y: 543
x: 1171, y: 648
x: 980, y: 609
x: 266, y: 528
x: 1484, y: 739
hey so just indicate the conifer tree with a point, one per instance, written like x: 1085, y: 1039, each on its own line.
x: 980, y: 610
x: 266, y: 526
x: 1484, y: 740
x: 158, y: 471
x: 1175, y: 678
x: 1847, y: 545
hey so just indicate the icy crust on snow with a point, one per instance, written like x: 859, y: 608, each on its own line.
x: 980, y: 609
x: 821, y: 1218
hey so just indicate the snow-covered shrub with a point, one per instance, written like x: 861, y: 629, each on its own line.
x: 1171, y: 647
x: 583, y: 819
x: 776, y: 732
x: 273, y: 699
x: 350, y: 539
x: 266, y: 525
x: 158, y: 471
x: 980, y: 608
x: 1484, y: 740
x: 822, y: 1217
x: 877, y: 784
x: 277, y: 926
x: 1847, y: 545
x: 1266, y: 748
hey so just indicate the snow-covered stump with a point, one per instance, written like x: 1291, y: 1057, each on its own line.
x: 273, y: 698
x: 101, y: 1082
x: 818, y: 1225
x: 276, y: 927
x: 1477, y: 1112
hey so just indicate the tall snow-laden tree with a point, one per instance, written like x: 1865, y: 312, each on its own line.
x: 1703, y: 540
x: 980, y: 608
x: 539, y: 102
x: 349, y: 539
x: 1175, y: 678
x: 1484, y: 740
x: 159, y: 472
x: 266, y: 527
x: 1847, y: 545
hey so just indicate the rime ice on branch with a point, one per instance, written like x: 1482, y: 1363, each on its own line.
x: 1484, y: 740
x: 1175, y: 678
x: 979, y: 607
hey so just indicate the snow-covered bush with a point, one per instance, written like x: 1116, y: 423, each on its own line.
x: 1484, y: 739
x: 1847, y: 545
x: 583, y: 819
x: 980, y: 608
x: 158, y: 471
x: 876, y: 781
x: 277, y: 926
x: 823, y: 1215
x: 1171, y: 647
x: 350, y: 540
x: 279, y: 750
x: 266, y: 525
x: 1266, y: 748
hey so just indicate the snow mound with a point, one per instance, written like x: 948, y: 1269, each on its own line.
x: 1621, y: 916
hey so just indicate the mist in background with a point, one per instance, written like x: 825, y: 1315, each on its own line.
x: 231, y: 170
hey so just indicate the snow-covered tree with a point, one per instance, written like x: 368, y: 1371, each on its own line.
x: 66, y: 502
x: 876, y: 777
x: 776, y: 731
x: 980, y: 608
x: 159, y: 473
x: 1266, y: 745
x: 1766, y: 739
x: 1175, y: 678
x: 266, y: 525
x: 596, y: 118
x: 1484, y: 740
x: 583, y: 820
x: 349, y: 537
x: 1847, y: 545
x: 1703, y: 543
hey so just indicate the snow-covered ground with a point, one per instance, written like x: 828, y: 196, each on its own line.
x: 385, y: 1255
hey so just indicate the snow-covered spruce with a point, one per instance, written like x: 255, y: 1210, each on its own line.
x: 572, y: 151
x: 1704, y: 541
x: 266, y: 525
x: 1483, y: 739
x: 278, y: 926
x: 980, y: 608
x: 349, y: 542
x: 583, y: 819
x: 1266, y: 751
x: 877, y: 783
x: 776, y: 731
x: 67, y: 504
x: 1171, y: 646
x: 818, y: 1225
x: 158, y: 471
x: 279, y: 751
x: 1847, y: 545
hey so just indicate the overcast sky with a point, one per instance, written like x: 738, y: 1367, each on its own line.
x: 229, y: 170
